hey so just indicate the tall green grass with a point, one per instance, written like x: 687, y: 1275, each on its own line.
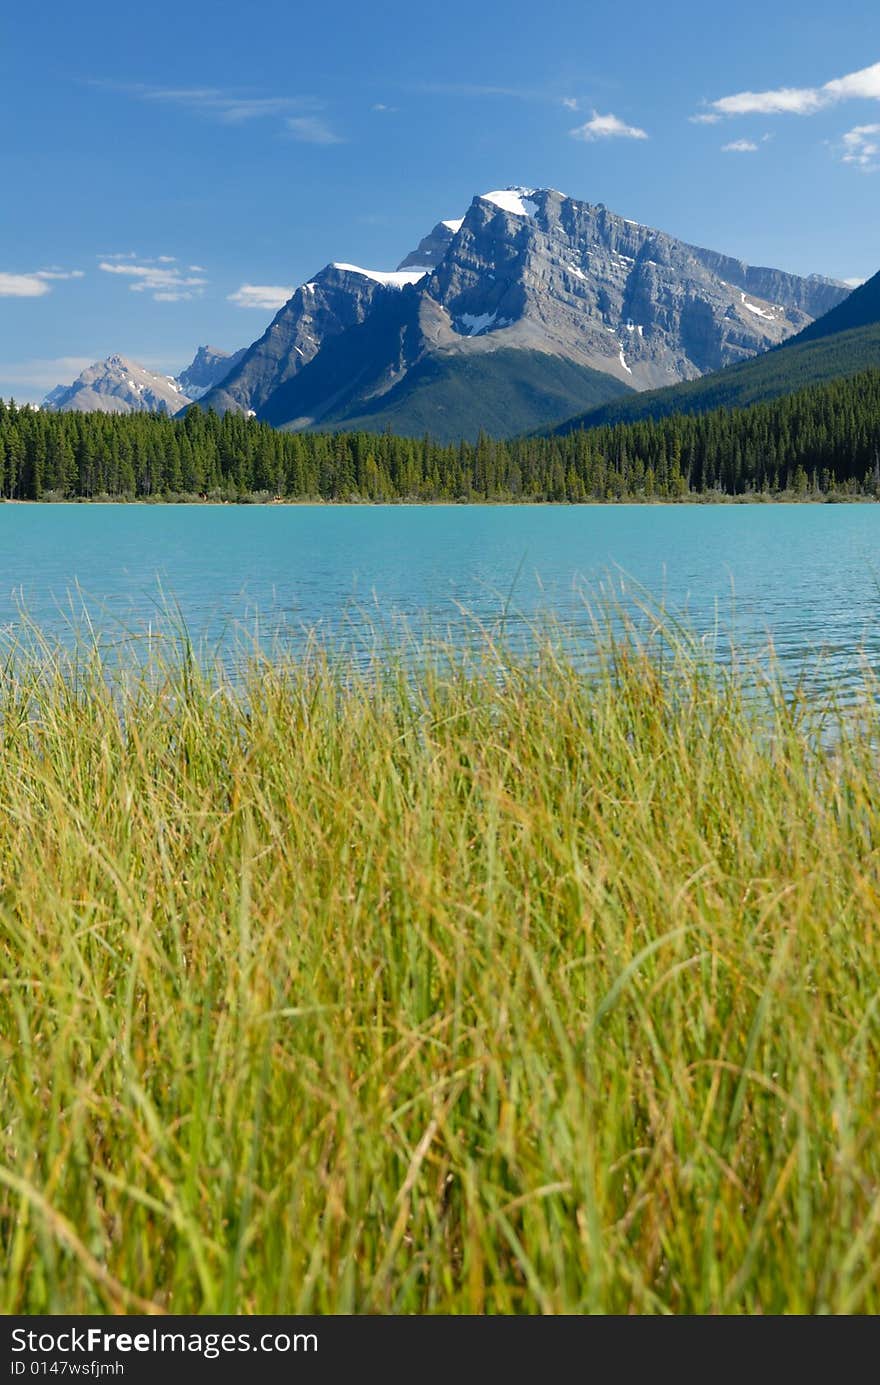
x: 499, y: 988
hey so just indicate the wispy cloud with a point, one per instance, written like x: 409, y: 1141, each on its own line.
x: 861, y: 85
x: 225, y: 106
x: 382, y: 109
x: 311, y: 129
x: 606, y: 127
x: 478, y: 89
x: 166, y: 284
x: 269, y: 297
x: 35, y: 283
x: 740, y: 146
x: 705, y: 118
x: 55, y: 272
x: 570, y: 103
x: 42, y: 373
x: 861, y: 146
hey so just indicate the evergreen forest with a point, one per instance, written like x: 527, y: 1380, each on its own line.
x: 820, y: 441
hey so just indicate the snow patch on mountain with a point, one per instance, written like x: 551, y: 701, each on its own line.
x: 517, y: 201
x: 759, y: 312
x: 391, y: 278
x: 480, y: 322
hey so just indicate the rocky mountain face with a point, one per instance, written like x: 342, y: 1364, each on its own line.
x: 432, y: 248
x: 552, y: 273
x: 208, y: 367
x: 524, y: 271
x: 118, y: 386
x: 339, y: 297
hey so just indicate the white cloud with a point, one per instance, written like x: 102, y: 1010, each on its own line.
x: 270, y: 297
x: 606, y: 127
x: 705, y: 118
x: 570, y: 103
x: 740, y: 146
x: 785, y: 101
x: 22, y: 286
x: 166, y: 259
x: 154, y: 276
x: 861, y: 146
x: 864, y: 85
x: 196, y: 268
x: 381, y: 107
x: 310, y: 129
x: 35, y: 283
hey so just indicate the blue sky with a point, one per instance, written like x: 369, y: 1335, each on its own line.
x: 167, y: 170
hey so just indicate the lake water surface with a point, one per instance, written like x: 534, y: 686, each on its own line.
x: 805, y: 576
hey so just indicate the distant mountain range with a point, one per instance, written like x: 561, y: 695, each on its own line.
x: 530, y: 309
x: 121, y: 386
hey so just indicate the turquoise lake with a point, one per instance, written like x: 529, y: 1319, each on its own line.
x: 805, y: 576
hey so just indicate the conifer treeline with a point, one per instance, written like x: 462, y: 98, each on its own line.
x: 823, y: 439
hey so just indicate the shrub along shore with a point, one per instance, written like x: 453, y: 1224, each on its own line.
x: 496, y: 987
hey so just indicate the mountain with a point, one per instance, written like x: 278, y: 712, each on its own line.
x: 582, y: 304
x: 121, y: 386
x: 432, y: 248
x: 52, y: 398
x: 829, y: 349
x: 208, y: 367
x: 544, y: 271
x: 860, y: 309
x: 338, y: 297
x: 382, y: 373
x: 118, y: 386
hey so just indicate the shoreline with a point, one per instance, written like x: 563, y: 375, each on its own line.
x: 245, y: 502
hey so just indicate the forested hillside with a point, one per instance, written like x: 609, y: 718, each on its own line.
x: 823, y: 439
